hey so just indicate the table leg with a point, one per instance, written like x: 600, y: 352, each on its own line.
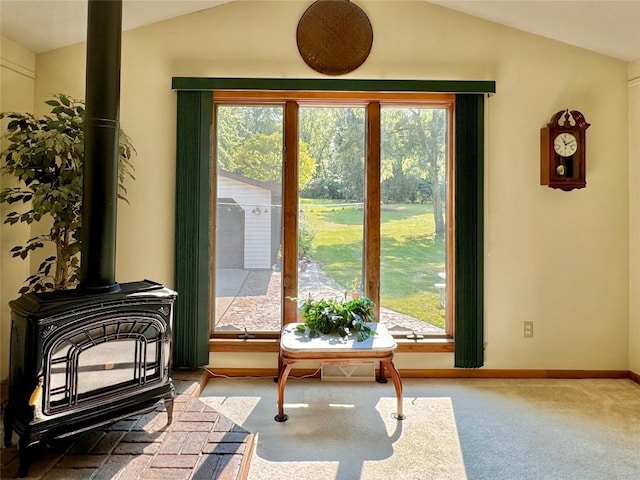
x: 381, y: 378
x: 280, y: 366
x: 397, y: 383
x: 282, y: 378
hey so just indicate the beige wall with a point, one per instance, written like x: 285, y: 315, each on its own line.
x: 555, y: 258
x: 17, y: 78
x: 634, y: 217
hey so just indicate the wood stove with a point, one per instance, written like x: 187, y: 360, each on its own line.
x: 80, y: 361
x: 88, y: 357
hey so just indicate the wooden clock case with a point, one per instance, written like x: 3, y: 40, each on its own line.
x: 556, y: 171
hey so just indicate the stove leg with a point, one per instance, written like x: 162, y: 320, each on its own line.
x: 8, y: 426
x: 168, y: 403
x: 23, y: 452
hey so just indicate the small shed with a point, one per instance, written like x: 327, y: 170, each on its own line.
x: 248, y: 222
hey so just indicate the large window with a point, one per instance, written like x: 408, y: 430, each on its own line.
x: 196, y: 204
x: 370, y: 190
x: 414, y: 218
x: 248, y: 217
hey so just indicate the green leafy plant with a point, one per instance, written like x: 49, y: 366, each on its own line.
x: 46, y: 156
x: 306, y: 236
x: 344, y: 317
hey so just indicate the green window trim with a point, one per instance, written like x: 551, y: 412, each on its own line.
x: 334, y: 85
x: 193, y: 205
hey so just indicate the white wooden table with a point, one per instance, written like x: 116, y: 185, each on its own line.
x: 297, y: 347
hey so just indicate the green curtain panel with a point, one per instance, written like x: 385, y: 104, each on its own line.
x: 192, y: 256
x: 469, y: 228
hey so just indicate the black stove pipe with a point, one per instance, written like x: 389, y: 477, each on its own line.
x: 100, y: 184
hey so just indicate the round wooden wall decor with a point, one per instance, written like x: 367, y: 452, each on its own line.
x: 334, y: 36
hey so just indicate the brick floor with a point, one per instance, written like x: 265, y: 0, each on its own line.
x: 199, y: 444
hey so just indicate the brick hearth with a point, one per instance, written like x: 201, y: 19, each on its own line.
x: 199, y: 444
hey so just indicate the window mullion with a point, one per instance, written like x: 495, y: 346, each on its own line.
x: 450, y: 255
x: 372, y: 206
x: 290, y: 213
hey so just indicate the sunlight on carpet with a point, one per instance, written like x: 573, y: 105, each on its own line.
x: 341, y: 431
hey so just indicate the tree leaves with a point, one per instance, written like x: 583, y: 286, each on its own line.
x: 250, y: 143
x: 46, y: 156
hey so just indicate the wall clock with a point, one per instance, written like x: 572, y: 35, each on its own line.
x: 563, y: 151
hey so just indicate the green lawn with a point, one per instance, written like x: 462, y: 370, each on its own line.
x: 411, y: 256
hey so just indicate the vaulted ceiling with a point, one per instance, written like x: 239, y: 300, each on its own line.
x: 610, y: 27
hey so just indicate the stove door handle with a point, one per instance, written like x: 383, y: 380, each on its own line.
x: 36, y: 396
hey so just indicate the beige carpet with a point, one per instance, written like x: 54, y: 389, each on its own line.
x: 455, y: 429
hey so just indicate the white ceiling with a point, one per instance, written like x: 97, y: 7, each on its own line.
x: 610, y: 27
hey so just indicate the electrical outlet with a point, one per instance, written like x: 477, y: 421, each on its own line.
x: 528, y: 329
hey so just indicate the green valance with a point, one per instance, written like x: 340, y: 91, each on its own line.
x: 334, y: 85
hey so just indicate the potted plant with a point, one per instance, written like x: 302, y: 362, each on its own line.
x: 46, y: 156
x: 344, y: 317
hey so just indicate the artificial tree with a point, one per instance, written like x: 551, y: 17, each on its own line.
x: 46, y: 156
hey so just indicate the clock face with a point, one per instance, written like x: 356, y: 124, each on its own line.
x: 565, y: 144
